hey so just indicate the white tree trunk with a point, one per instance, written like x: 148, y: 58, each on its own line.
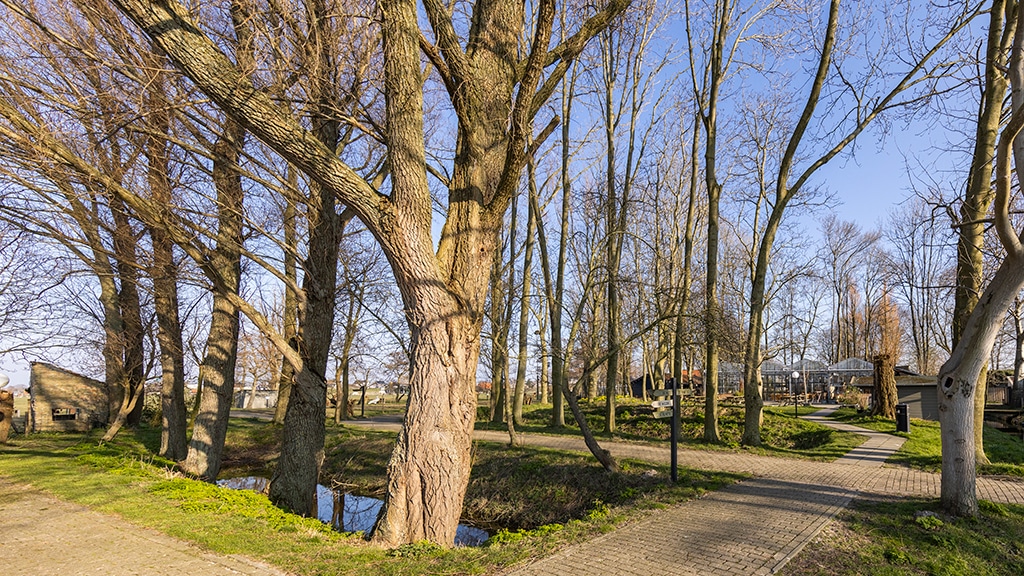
x: 958, y: 383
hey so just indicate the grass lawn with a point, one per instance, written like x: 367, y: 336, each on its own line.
x: 923, y: 449
x: 781, y: 433
x: 579, y: 500
x: 882, y: 538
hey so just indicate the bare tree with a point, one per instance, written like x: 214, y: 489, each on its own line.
x: 443, y: 292
x: 960, y: 377
x: 979, y: 195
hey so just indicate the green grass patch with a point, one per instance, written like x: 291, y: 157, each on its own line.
x: 782, y: 434
x: 923, y: 448
x: 534, y: 501
x: 914, y: 537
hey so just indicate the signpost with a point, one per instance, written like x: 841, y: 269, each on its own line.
x: 674, y: 415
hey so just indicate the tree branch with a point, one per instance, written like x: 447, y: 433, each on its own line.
x: 167, y: 24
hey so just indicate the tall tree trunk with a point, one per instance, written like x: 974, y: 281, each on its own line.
x: 753, y: 400
x: 131, y: 310
x: 293, y: 485
x: 979, y: 195
x: 524, y: 306
x: 613, y: 236
x: 290, y: 315
x: 556, y: 290
x: 206, y: 449
x: 683, y: 295
x: 543, y: 383
x: 173, y: 441
x: 960, y: 377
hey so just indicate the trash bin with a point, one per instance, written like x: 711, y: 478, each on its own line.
x: 902, y: 418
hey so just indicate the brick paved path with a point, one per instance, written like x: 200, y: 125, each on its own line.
x: 752, y: 527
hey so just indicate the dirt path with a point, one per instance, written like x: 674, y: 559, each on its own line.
x: 40, y: 535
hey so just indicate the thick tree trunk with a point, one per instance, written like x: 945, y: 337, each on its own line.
x: 206, y: 449
x: 293, y: 485
x: 884, y: 396
x: 958, y: 383
x: 429, y: 469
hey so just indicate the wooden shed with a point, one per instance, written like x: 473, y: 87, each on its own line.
x: 62, y: 401
x: 920, y: 395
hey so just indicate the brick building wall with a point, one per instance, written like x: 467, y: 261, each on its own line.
x: 63, y: 401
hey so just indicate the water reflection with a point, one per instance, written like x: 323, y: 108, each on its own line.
x: 348, y: 512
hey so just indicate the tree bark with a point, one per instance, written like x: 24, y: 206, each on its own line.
x: 429, y: 469
x: 131, y: 310
x: 206, y: 448
x: 959, y: 378
x: 979, y: 195
x: 173, y: 440
x: 884, y: 395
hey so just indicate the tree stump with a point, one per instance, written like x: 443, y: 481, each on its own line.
x: 6, y: 414
x: 884, y: 395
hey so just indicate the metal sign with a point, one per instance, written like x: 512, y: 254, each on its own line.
x: 661, y: 404
x: 663, y: 414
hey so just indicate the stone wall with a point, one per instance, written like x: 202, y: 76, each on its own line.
x: 63, y: 401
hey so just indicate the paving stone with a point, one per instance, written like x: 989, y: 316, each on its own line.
x: 752, y: 527
x: 42, y: 535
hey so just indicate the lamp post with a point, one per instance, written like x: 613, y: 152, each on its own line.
x: 794, y: 378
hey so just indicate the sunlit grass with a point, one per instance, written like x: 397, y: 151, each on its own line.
x: 923, y: 448
x: 782, y: 434
x: 534, y: 500
x: 914, y: 537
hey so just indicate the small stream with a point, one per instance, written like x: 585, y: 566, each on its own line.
x: 348, y: 512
